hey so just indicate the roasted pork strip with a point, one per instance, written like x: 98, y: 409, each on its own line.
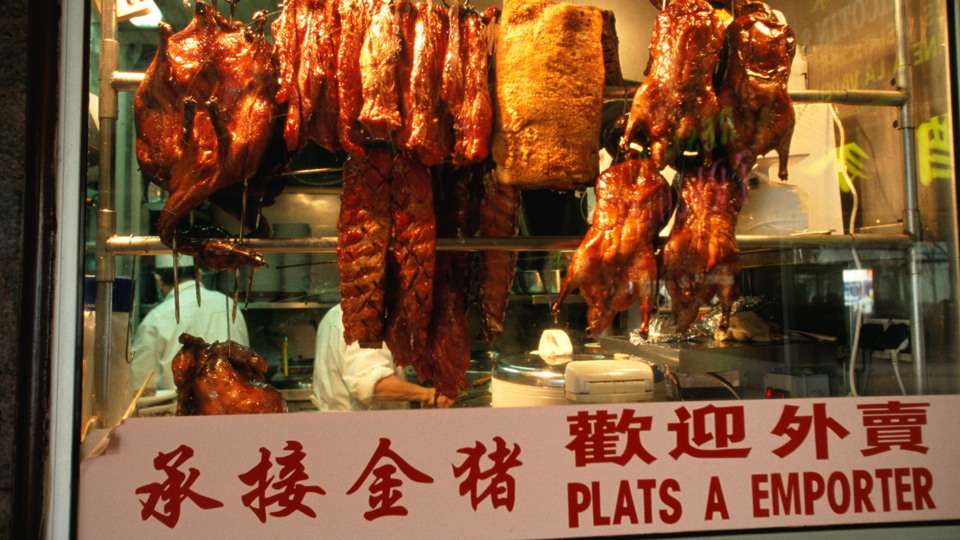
x: 323, y: 123
x: 499, y: 217
x: 615, y: 264
x: 378, y: 60
x: 364, y: 229
x: 473, y: 115
x: 355, y: 18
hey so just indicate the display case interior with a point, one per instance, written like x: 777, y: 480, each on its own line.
x: 849, y: 268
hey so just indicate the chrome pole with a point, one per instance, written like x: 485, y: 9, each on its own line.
x: 912, y: 224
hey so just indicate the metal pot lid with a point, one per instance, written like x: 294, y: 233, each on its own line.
x: 532, y: 370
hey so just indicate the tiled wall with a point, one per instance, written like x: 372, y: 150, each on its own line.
x: 13, y: 60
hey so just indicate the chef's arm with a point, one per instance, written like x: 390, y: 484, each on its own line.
x: 393, y: 388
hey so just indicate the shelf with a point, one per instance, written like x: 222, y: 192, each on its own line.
x: 151, y: 245
x: 285, y: 305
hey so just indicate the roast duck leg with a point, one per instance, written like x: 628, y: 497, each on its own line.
x: 701, y: 258
x: 756, y: 112
x: 205, y: 115
x: 222, y: 378
x: 615, y: 264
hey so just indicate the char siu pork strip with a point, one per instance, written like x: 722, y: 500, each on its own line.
x: 222, y: 378
x: 378, y: 60
x: 413, y: 258
x: 323, y: 123
x: 675, y: 107
x: 288, y: 32
x: 499, y: 217
x: 355, y: 18
x: 466, y: 87
x: 363, y: 236
x: 427, y: 126
x: 701, y: 259
x: 615, y: 264
x: 756, y: 112
x: 204, y: 116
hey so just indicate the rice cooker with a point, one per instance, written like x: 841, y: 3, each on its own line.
x: 536, y: 379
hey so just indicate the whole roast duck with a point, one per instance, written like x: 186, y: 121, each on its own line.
x: 205, y: 117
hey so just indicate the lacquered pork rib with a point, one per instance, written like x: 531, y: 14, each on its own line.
x: 701, y: 259
x: 499, y: 217
x: 204, y: 117
x: 675, y: 107
x: 756, y: 111
x: 355, y: 18
x: 615, y: 264
x: 413, y: 258
x: 222, y: 378
x: 380, y: 114
x: 466, y: 88
x: 427, y: 126
x: 363, y: 236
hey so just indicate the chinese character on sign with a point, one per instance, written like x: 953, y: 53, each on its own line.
x: 894, y: 424
x: 933, y: 150
x: 384, y: 490
x: 796, y: 428
x: 174, y: 490
x: 721, y: 426
x: 596, y: 434
x: 501, y: 484
x: 289, y: 489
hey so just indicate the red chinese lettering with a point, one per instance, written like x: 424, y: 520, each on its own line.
x: 501, y: 487
x: 174, y: 490
x: 796, y: 428
x: 290, y: 490
x: 727, y: 428
x: 384, y: 490
x: 597, y: 434
x: 894, y: 424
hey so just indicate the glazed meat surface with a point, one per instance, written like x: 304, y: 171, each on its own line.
x: 615, y: 264
x: 466, y: 88
x: 756, y: 111
x: 499, y: 217
x: 355, y: 17
x: 701, y: 259
x: 363, y: 236
x: 426, y: 130
x: 222, y: 378
x: 378, y: 62
x: 204, y: 115
x: 675, y: 107
x: 414, y: 254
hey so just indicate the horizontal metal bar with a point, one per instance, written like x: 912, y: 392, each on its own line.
x: 126, y: 81
x: 883, y: 98
x: 151, y: 245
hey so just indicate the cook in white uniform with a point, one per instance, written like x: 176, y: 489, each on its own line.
x: 348, y: 377
x: 157, y: 339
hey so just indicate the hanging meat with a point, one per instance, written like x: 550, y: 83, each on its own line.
x: 426, y: 130
x: 701, y: 259
x: 363, y: 236
x: 675, y: 109
x: 380, y: 113
x: 615, y: 264
x: 548, y: 95
x: 465, y: 87
x: 757, y: 113
x: 307, y: 36
x: 355, y: 17
x: 205, y: 114
x: 222, y: 378
x: 499, y: 217
x: 412, y: 261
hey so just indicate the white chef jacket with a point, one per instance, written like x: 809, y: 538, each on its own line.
x: 158, y: 337
x: 344, y: 376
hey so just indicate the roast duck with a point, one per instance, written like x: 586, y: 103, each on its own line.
x: 713, y: 137
x: 205, y: 115
x: 222, y: 378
